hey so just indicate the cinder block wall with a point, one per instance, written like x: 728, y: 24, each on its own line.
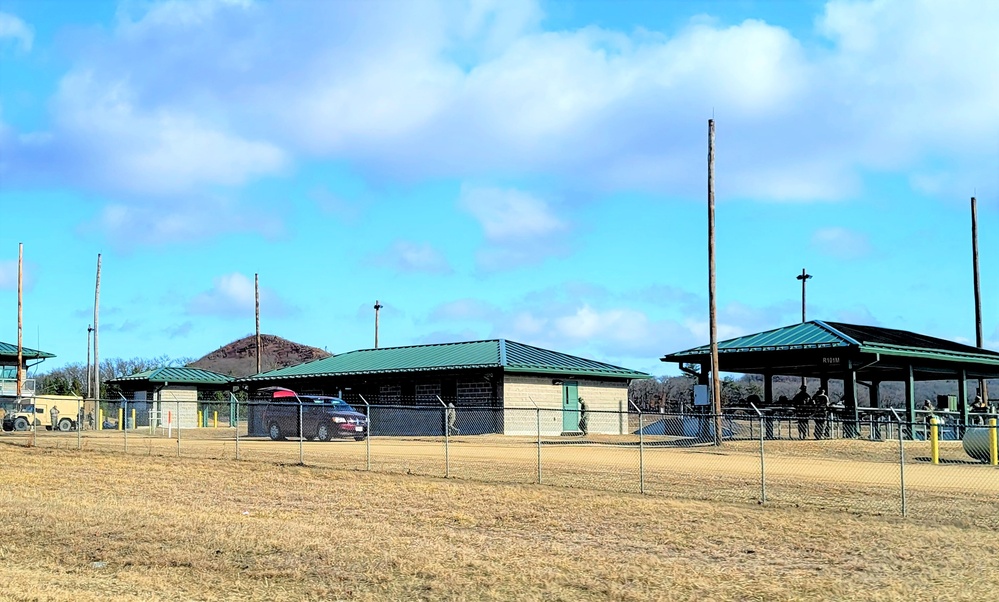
x: 604, y: 399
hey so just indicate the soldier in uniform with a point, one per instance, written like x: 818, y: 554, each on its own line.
x: 820, y: 405
x: 801, y: 403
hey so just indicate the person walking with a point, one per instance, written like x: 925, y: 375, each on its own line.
x: 800, y: 402
x: 820, y: 405
x: 54, y: 416
x: 584, y: 417
x: 452, y: 419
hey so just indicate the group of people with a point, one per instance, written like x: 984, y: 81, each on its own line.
x: 808, y: 407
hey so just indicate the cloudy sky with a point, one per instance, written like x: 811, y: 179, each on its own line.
x: 493, y: 168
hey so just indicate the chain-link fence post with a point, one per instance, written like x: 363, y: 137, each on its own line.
x: 34, y: 420
x: 79, y: 425
x: 537, y: 416
x: 641, y: 449
x: 763, y: 466
x: 447, y: 438
x: 367, y: 438
x: 124, y: 420
x: 234, y: 403
x: 901, y: 460
x: 301, y: 433
x: 178, y: 427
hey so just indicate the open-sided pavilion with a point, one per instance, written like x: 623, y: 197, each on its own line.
x: 858, y: 355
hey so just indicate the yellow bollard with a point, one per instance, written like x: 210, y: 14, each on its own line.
x: 934, y: 441
x: 121, y: 419
x: 993, y: 443
x: 100, y: 420
x: 133, y: 418
x: 215, y: 420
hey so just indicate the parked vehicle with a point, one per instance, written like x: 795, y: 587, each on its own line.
x: 322, y: 417
x: 37, y: 412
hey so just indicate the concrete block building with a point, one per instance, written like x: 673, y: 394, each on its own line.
x: 495, y: 385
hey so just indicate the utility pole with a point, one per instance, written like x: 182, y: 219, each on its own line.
x: 256, y: 304
x: 713, y: 318
x: 983, y: 389
x: 20, y: 317
x: 97, y: 361
x: 378, y: 306
x: 90, y: 381
x: 804, y: 276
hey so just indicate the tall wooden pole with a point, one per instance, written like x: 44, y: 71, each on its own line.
x: 90, y: 378
x: 378, y: 306
x: 256, y: 304
x: 97, y: 361
x: 979, y: 339
x: 20, y: 316
x: 713, y: 318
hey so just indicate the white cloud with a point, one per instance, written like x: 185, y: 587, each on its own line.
x: 842, y: 243
x: 185, y: 95
x: 163, y: 150
x: 232, y: 295
x: 14, y: 28
x: 519, y: 227
x: 510, y: 215
x: 407, y: 256
x: 136, y: 224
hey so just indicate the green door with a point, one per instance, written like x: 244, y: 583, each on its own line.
x: 570, y: 407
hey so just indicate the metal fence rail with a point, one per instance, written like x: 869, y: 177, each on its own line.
x: 873, y: 465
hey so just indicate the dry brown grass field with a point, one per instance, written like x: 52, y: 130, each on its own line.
x: 95, y: 525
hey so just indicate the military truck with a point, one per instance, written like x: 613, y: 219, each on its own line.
x: 37, y: 412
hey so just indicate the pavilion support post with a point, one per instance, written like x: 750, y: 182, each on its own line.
x: 850, y: 401
x: 768, y: 389
x: 910, y: 398
x: 962, y: 395
x: 874, y: 393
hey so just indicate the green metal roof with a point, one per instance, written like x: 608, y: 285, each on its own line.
x: 10, y: 351
x: 496, y: 353
x: 176, y: 375
x: 866, y: 339
x: 810, y: 335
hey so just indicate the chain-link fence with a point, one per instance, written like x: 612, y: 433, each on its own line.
x: 876, y: 463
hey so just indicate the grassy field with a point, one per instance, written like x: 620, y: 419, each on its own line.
x: 91, y: 526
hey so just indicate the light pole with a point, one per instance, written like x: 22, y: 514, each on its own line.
x: 804, y: 276
x: 378, y: 306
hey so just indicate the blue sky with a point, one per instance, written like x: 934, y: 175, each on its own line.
x: 528, y: 170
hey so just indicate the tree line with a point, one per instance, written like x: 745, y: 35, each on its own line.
x: 71, y: 379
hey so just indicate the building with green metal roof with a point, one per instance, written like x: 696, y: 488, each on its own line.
x: 8, y: 368
x: 484, y: 379
x: 169, y: 395
x: 857, y: 355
